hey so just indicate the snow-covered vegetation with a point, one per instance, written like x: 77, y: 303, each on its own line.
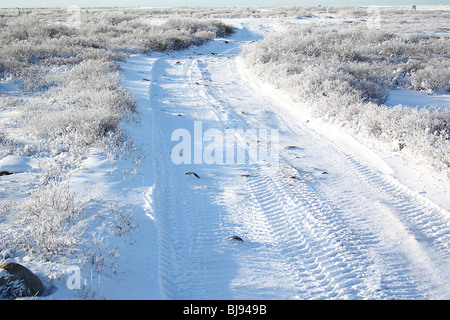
x: 90, y: 198
x: 71, y: 70
x: 62, y: 99
x: 346, y: 70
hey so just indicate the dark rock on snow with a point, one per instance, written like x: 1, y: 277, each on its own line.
x: 235, y: 238
x: 193, y: 174
x: 17, y: 281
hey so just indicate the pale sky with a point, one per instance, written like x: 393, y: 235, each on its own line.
x: 206, y: 3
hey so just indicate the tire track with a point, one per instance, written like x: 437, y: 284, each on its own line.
x: 405, y: 226
x: 190, y: 247
x: 308, y: 253
x: 327, y: 267
x: 422, y: 232
x: 421, y: 217
x: 352, y: 233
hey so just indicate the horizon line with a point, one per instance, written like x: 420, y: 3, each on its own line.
x: 231, y: 6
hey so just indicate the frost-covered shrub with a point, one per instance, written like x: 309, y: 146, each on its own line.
x: 75, y: 73
x: 212, y: 28
x: 434, y: 77
x: 345, y: 75
x: 84, y: 105
x: 49, y: 224
x: 333, y: 57
x: 174, y: 34
x: 35, y: 42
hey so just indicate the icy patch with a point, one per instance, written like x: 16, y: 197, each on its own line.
x: 419, y: 99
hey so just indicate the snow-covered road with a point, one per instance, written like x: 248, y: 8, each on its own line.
x: 331, y: 219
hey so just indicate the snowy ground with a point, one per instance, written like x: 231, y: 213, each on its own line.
x: 419, y: 100
x: 334, y: 218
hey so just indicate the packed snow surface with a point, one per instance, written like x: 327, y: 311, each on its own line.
x: 335, y: 217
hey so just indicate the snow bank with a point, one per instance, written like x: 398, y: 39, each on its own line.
x: 15, y: 164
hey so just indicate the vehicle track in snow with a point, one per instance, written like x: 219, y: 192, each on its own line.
x: 324, y: 222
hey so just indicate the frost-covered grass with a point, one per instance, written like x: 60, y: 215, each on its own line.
x: 345, y: 72
x: 71, y: 70
x: 62, y: 97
